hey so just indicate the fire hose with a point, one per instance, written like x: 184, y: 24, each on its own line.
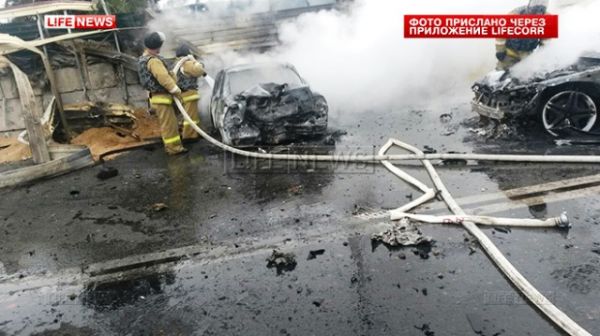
x: 531, y: 293
x: 561, y: 221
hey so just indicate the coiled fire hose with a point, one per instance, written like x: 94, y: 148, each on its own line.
x: 531, y: 293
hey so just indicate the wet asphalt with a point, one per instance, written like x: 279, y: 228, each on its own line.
x: 82, y: 256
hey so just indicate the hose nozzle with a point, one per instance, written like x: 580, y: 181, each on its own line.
x: 563, y: 221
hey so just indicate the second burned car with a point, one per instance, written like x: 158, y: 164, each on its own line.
x: 266, y: 104
x: 564, y: 100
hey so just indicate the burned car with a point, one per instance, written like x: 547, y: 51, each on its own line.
x: 265, y: 104
x: 564, y: 101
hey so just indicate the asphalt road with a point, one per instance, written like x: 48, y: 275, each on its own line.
x: 80, y: 256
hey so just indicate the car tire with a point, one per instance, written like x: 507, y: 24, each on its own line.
x: 557, y: 111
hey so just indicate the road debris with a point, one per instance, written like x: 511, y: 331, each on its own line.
x: 107, y: 172
x: 158, y: 207
x: 314, y: 253
x: 282, y: 262
x: 446, y: 118
x: 454, y: 162
x: 502, y: 230
x: 425, y: 329
x: 482, y: 326
x: 402, y: 233
x: 318, y: 302
x: 295, y: 189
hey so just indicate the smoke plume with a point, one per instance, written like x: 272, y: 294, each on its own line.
x: 579, y: 32
x: 359, y: 60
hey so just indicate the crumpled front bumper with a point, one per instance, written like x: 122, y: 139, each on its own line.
x: 505, y: 103
x: 487, y: 111
x: 248, y: 134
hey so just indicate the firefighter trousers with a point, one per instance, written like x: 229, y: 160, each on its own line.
x: 169, y: 128
x: 190, y: 104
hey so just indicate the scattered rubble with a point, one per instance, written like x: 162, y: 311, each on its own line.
x: 429, y: 150
x: 504, y: 230
x: 158, y: 207
x: 482, y: 326
x: 450, y: 130
x: 425, y: 329
x: 402, y: 233
x: 314, y: 253
x: 454, y: 162
x: 295, y: 189
x: 422, y: 251
x: 317, y: 303
x: 283, y: 262
x: 107, y: 172
x: 446, y: 118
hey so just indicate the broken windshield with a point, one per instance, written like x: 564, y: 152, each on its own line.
x: 243, y: 80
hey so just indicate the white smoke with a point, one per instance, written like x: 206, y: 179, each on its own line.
x: 360, y: 60
x: 579, y: 32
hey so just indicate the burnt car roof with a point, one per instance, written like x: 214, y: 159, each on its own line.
x: 250, y: 66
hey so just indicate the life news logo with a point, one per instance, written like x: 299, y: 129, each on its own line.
x: 80, y: 21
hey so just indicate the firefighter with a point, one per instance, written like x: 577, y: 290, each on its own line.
x: 160, y: 83
x: 511, y: 51
x: 187, y: 80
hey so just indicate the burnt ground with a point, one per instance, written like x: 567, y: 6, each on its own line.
x: 81, y: 256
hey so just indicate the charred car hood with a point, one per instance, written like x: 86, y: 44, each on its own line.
x: 270, y: 102
x: 271, y: 113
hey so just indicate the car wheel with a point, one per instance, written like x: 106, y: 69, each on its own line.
x: 569, y: 109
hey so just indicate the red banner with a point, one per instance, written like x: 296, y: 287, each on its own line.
x: 80, y: 21
x: 481, y: 26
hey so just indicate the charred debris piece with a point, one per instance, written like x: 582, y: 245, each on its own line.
x: 402, y: 233
x: 314, y: 253
x: 282, y: 262
x: 106, y: 173
x: 158, y: 207
x: 86, y: 115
